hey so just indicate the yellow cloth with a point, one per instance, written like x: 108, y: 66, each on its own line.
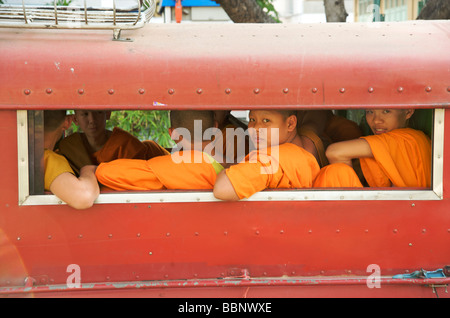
x: 284, y: 166
x: 163, y: 172
x: 54, y: 165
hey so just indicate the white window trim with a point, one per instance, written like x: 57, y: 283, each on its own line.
x: 436, y: 193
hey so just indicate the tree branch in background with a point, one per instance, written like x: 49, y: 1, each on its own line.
x: 335, y: 10
x: 435, y: 10
x: 245, y: 11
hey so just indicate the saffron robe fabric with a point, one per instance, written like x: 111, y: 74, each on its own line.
x: 401, y: 158
x: 54, y: 165
x: 284, y: 166
x: 119, y: 145
x: 194, y: 171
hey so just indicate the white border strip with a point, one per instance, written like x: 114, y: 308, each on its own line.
x: 22, y: 156
x: 284, y: 195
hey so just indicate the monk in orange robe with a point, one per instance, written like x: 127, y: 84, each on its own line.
x: 235, y: 140
x: 279, y: 160
x: 394, y: 156
x: 96, y: 144
x: 189, y: 168
x: 319, y: 128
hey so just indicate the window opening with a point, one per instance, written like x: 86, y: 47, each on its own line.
x: 30, y: 145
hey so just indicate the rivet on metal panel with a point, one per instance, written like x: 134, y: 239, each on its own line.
x: 225, y: 233
x: 19, y: 238
x: 448, y: 89
x: 413, y: 204
x: 366, y: 231
x: 428, y: 89
x: 410, y: 244
x: 286, y: 90
x: 370, y: 89
x: 150, y: 253
x: 342, y: 90
x: 314, y: 90
x: 167, y: 234
x: 141, y: 91
x: 27, y: 92
x: 395, y: 231
x: 400, y: 89
x: 310, y: 231
x: 49, y: 237
x: 48, y: 90
x: 80, y: 236
x: 110, y: 91
x: 81, y: 91
x: 257, y: 232
x: 256, y: 91
x: 282, y: 232
x: 424, y: 230
x: 171, y: 91
x: 138, y: 234
x: 199, y: 91
x: 196, y: 234
x: 227, y: 91
x: 110, y: 235
x: 338, y: 231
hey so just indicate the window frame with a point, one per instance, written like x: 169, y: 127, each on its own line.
x: 396, y: 194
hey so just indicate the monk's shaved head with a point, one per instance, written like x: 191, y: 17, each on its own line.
x: 187, y: 118
x: 53, y: 119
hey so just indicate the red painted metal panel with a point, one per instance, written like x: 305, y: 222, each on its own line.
x: 233, y: 65
x: 164, y: 243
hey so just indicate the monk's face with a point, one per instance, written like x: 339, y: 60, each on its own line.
x: 268, y: 128
x: 91, y: 122
x: 385, y: 120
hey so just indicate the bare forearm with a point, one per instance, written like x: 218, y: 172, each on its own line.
x: 223, y: 188
x: 79, y: 193
x: 345, y: 151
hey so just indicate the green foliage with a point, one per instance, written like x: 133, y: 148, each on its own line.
x: 268, y: 6
x: 62, y: 2
x: 145, y: 125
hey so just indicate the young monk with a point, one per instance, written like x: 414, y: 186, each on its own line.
x: 235, y: 141
x: 320, y: 128
x: 279, y: 160
x: 96, y: 144
x: 394, y: 156
x: 187, y: 168
x: 59, y: 178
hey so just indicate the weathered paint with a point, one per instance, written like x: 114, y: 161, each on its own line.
x: 239, y: 65
x: 189, y: 248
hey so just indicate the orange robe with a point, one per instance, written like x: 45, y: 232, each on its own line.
x: 163, y: 172
x: 119, y: 145
x: 339, y: 128
x: 337, y: 175
x: 286, y: 166
x: 402, y: 158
